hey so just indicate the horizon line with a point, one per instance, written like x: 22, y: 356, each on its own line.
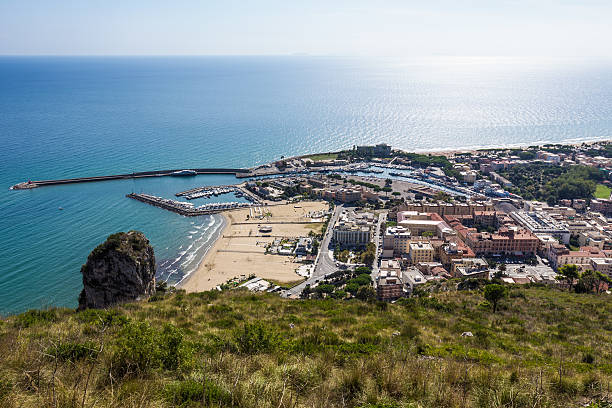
x: 298, y: 54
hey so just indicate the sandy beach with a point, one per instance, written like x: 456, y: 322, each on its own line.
x: 240, y: 250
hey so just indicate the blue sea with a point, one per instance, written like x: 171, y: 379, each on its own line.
x: 86, y: 116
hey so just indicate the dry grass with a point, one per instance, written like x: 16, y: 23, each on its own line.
x: 545, y: 348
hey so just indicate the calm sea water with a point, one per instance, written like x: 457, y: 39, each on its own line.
x: 67, y: 117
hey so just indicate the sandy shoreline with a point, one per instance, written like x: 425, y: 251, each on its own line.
x: 193, y: 282
x: 476, y: 149
x: 240, y: 249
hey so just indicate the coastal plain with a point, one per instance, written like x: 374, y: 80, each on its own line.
x: 241, y: 249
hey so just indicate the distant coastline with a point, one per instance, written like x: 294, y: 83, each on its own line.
x: 244, y: 172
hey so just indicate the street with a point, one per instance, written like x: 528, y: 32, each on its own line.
x: 382, y: 217
x: 324, y: 263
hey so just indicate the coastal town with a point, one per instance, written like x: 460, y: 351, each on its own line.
x: 373, y: 221
x: 395, y: 223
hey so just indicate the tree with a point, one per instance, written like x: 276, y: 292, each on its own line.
x: 494, y: 293
x: 325, y: 288
x: 601, y: 278
x: 368, y: 257
x: 352, y: 287
x: 591, y: 281
x: 366, y: 293
x: 363, y: 269
x: 501, y: 270
x: 587, y: 282
x: 568, y: 273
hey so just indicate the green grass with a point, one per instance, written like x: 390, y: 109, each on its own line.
x: 602, y: 191
x: 323, y: 156
x: 286, y: 285
x: 544, y: 348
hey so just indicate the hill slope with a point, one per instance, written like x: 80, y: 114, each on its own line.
x: 544, y: 348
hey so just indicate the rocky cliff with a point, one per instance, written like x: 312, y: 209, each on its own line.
x: 121, y: 269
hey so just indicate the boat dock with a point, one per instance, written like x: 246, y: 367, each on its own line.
x: 187, y: 209
x: 209, y: 191
x: 154, y: 173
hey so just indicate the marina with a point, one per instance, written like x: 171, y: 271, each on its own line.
x: 188, y: 209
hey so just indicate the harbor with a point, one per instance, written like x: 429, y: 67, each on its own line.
x: 191, y: 210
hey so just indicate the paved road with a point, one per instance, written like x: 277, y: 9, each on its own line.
x: 324, y: 263
x: 381, y: 218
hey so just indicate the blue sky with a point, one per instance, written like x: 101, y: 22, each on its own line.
x: 342, y: 27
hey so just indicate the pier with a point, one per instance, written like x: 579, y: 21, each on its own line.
x: 154, y: 173
x: 208, y: 191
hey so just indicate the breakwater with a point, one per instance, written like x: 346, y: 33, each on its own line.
x: 154, y: 173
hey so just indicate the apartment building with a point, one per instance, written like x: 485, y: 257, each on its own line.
x: 603, y: 265
x: 396, y: 241
x: 424, y: 223
x: 389, y: 286
x: 351, y: 235
x: 443, y: 208
x: 602, y: 206
x: 507, y: 241
x: 420, y: 252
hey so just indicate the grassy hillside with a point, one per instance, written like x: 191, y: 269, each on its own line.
x: 543, y: 348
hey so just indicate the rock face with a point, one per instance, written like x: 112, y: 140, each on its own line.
x: 119, y: 270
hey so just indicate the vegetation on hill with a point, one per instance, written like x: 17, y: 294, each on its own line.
x: 542, y: 348
x: 550, y: 183
x: 426, y: 160
x: 602, y: 191
x: 604, y: 151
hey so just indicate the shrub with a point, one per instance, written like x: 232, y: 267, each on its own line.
x: 140, y: 348
x: 255, y: 338
x: 5, y: 388
x: 170, y: 341
x: 191, y: 393
x: 102, y: 317
x: 222, y: 323
x: 32, y: 317
x: 566, y: 387
x: 69, y: 351
x: 435, y: 304
x: 409, y: 331
x: 588, y: 358
x: 315, y: 340
x: 351, y: 384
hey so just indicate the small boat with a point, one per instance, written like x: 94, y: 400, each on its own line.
x: 183, y: 173
x: 61, y: 208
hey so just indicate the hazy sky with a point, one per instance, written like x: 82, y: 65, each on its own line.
x: 318, y: 27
